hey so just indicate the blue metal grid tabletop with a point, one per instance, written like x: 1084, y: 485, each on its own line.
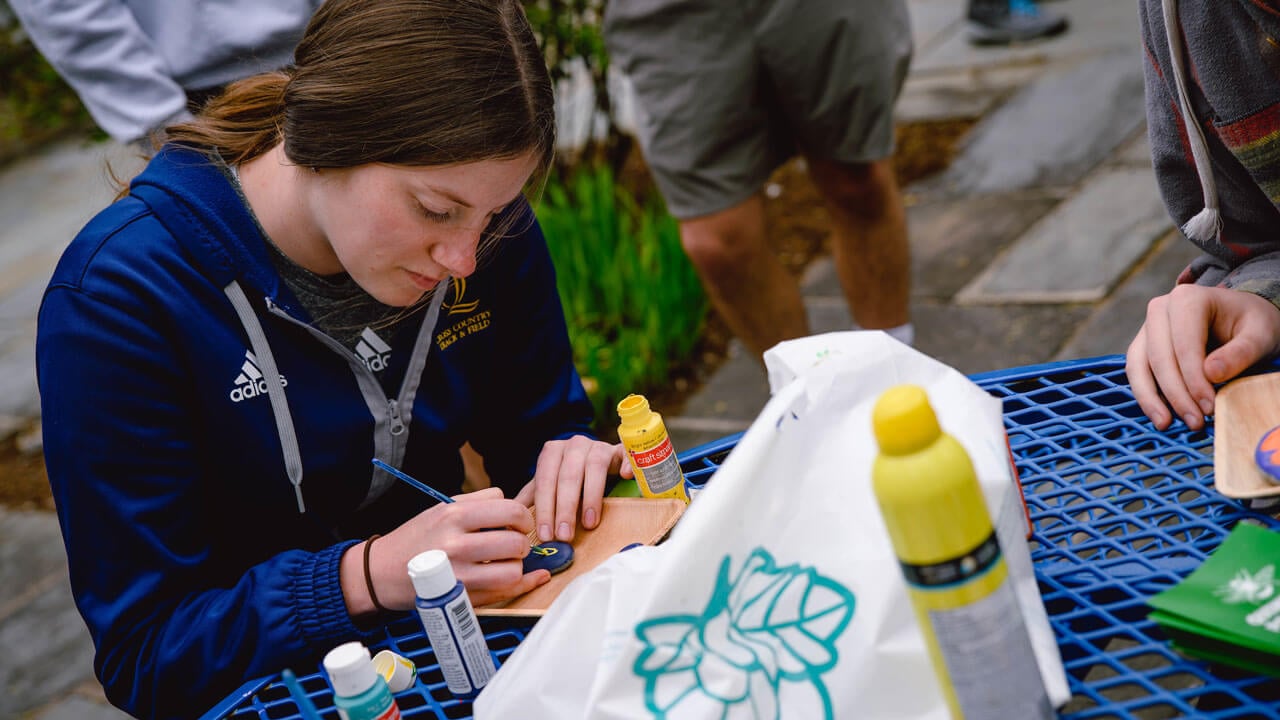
x: 1120, y: 512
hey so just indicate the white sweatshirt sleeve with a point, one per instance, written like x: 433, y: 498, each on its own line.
x: 99, y: 49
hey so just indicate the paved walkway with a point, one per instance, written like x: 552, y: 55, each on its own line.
x: 1042, y: 241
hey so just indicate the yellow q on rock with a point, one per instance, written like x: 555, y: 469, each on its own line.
x: 941, y: 532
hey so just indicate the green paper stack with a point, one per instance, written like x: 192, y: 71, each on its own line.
x: 1228, y: 610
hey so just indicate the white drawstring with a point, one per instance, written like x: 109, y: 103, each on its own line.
x: 1206, y: 223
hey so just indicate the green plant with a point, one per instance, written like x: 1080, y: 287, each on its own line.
x: 35, y: 103
x: 634, y: 304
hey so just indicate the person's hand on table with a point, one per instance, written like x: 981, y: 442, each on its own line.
x: 1167, y: 364
x: 484, y: 534
x: 571, y: 474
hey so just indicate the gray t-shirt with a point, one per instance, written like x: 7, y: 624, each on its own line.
x: 338, y: 306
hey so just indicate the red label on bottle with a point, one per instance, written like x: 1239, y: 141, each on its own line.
x: 654, y: 456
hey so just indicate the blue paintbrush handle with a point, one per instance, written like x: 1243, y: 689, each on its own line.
x: 413, y: 481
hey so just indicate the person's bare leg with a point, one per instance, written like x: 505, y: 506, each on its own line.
x: 747, y: 284
x: 869, y: 239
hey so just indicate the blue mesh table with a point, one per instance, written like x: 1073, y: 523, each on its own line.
x: 1120, y: 512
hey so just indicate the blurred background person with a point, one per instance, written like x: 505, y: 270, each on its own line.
x: 139, y: 65
x: 726, y: 93
x: 1002, y: 22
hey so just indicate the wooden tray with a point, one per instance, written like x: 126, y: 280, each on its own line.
x: 623, y: 520
x: 1244, y: 410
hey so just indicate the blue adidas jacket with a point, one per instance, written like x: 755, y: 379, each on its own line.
x: 173, y: 474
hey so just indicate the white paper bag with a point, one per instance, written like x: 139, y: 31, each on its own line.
x: 778, y: 594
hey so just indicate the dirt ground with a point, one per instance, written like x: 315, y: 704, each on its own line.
x: 798, y: 231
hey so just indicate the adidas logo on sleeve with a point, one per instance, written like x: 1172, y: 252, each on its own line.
x: 250, y: 383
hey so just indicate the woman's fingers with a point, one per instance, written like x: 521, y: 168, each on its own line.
x: 489, y: 493
x: 488, y: 546
x: 571, y: 477
x: 544, y: 483
x: 602, y: 459
x: 470, y: 514
x: 492, y: 585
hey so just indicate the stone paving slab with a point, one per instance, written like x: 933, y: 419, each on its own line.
x: 1084, y: 247
x: 30, y: 551
x: 1135, y: 152
x: 984, y: 338
x: 739, y: 389
x: 960, y: 94
x: 970, y: 339
x: 77, y: 708
x: 734, y: 391
x: 1054, y: 131
x: 932, y: 21
x: 47, y: 652
x: 1113, y: 324
x: 45, y: 200
x: 18, y: 312
x: 688, y: 433
x: 953, y: 241
x: 828, y: 314
x: 19, y: 397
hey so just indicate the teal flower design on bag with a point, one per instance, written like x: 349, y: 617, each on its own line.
x: 766, y: 626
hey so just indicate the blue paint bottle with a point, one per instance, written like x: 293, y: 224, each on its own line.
x: 359, y: 692
x: 451, y: 625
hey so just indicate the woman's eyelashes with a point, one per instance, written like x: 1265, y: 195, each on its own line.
x: 448, y: 215
x: 433, y: 215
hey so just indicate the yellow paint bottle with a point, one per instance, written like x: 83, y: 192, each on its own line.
x: 653, y: 459
x: 941, y: 532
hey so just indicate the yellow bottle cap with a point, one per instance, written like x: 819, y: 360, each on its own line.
x: 903, y: 420
x: 633, y: 410
x: 398, y: 670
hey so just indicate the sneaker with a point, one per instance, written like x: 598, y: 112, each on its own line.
x: 1003, y: 22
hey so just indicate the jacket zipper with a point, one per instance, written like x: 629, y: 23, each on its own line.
x: 396, y: 427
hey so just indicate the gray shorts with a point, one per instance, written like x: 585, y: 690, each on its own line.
x: 728, y: 90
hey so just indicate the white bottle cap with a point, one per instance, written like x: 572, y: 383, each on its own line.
x: 350, y: 669
x: 431, y: 574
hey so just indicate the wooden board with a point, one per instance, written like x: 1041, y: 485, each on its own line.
x: 623, y: 521
x: 1244, y: 410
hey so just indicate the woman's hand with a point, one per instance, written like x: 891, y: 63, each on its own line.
x: 485, y: 536
x: 571, y: 473
x: 1167, y: 364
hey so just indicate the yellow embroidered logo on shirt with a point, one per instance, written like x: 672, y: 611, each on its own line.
x: 475, y: 320
x: 453, y: 301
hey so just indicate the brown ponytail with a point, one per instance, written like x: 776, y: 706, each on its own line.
x: 241, y: 123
